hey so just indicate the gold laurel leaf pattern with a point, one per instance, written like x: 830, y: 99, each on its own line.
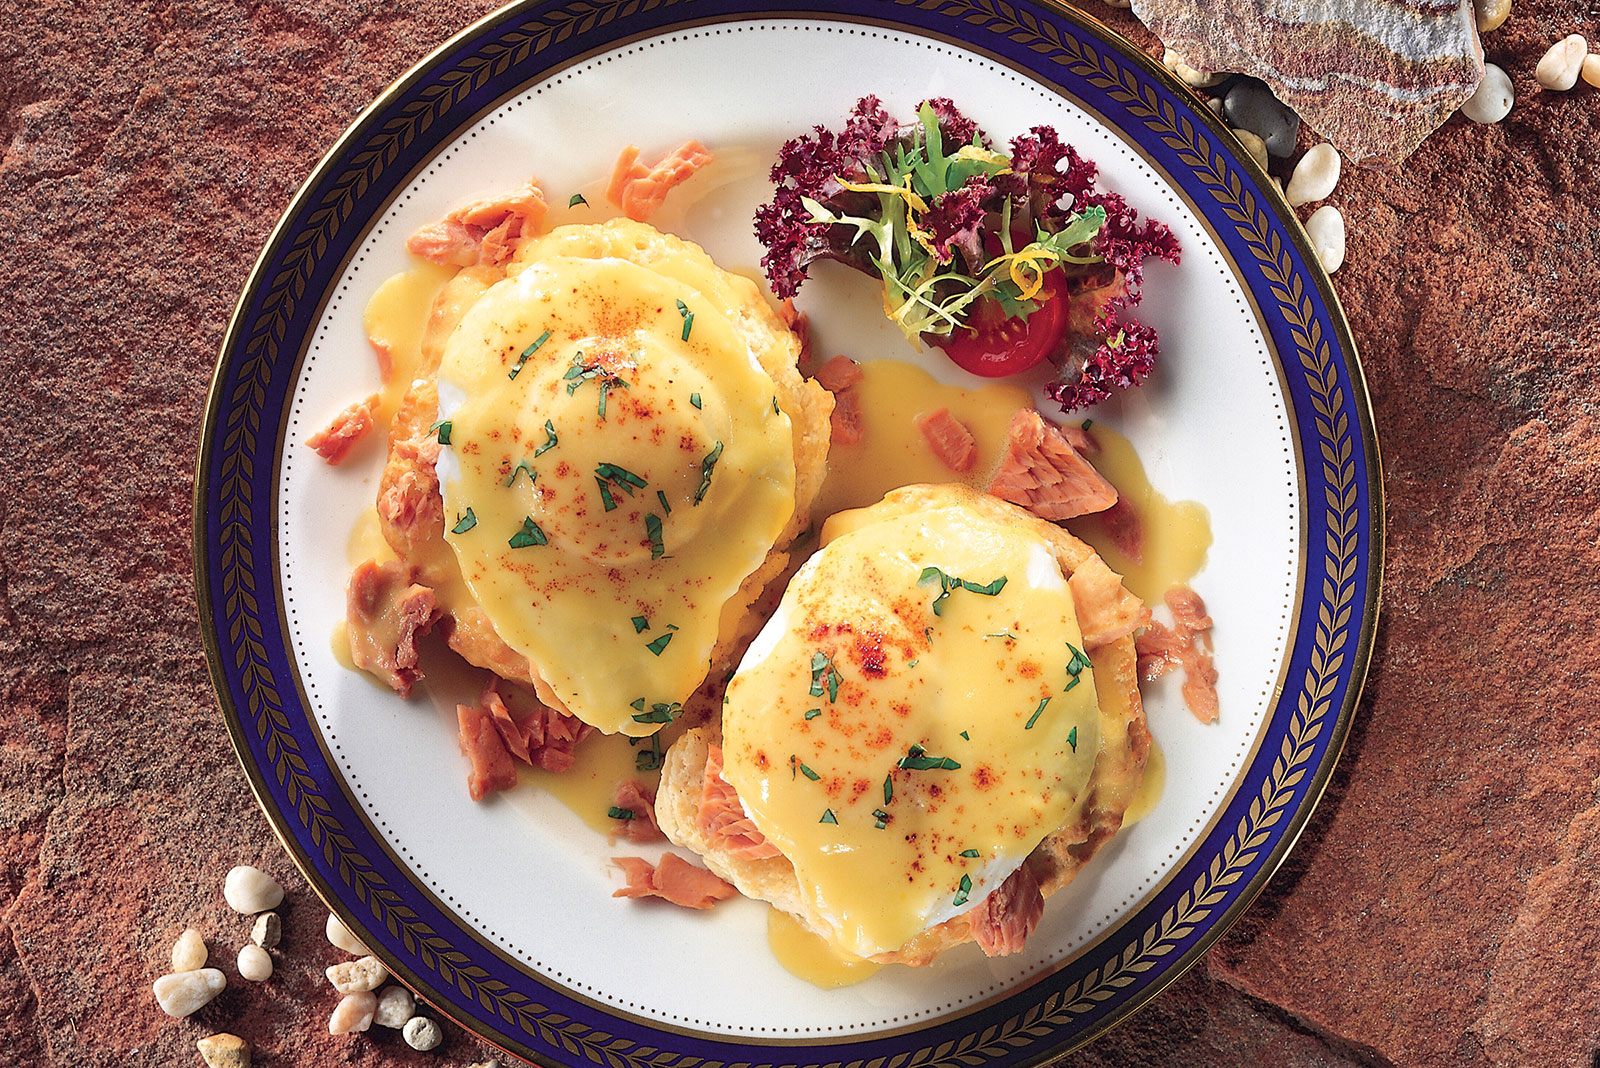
x: 240, y: 443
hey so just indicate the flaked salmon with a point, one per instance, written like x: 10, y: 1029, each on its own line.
x: 639, y: 190
x: 386, y: 611
x: 949, y: 439
x: 538, y: 735
x: 1044, y: 473
x: 334, y: 441
x: 722, y: 818
x: 639, y: 802
x: 483, y: 232
x: 674, y: 880
x: 1186, y: 644
x: 491, y: 769
x: 1002, y: 921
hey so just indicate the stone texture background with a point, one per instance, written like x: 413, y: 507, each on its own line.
x: 1438, y: 911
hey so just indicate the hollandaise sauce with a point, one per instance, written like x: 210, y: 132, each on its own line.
x: 915, y: 718
x: 615, y: 463
x: 811, y: 957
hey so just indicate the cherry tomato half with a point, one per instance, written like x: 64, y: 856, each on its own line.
x: 994, y: 344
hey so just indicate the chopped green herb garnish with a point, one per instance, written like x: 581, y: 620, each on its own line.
x: 522, y: 465
x: 706, y: 467
x: 1028, y: 726
x: 606, y: 499
x: 775, y: 409
x: 1006, y: 634
x: 651, y: 759
x: 888, y: 788
x: 549, y: 439
x: 538, y: 342
x: 666, y: 505
x: 824, y: 675
x: 964, y: 735
x: 969, y: 852
x: 530, y: 534
x: 948, y: 584
x: 688, y: 319
x: 963, y: 888
x: 808, y: 773
x: 652, y: 527
x: 1072, y: 739
x: 637, y: 704
x: 443, y: 427
x: 661, y: 643
x: 1086, y: 424
x: 640, y: 625
x: 1075, y: 666
x: 917, y: 759
x: 660, y: 712
x: 606, y: 475
x: 813, y: 713
x: 581, y: 372
x: 694, y: 399
x: 619, y: 813
x: 828, y: 816
x: 880, y: 818
x: 912, y: 663
x: 465, y: 523
x: 576, y: 199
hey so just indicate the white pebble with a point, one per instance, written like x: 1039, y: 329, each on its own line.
x: 353, y: 976
x: 189, y: 951
x: 224, y: 1051
x: 255, y: 963
x: 353, y: 1013
x: 182, y: 993
x: 251, y: 890
x: 1314, y: 176
x: 395, y: 1007
x: 339, y: 935
x: 267, y: 931
x: 485, y: 1064
x: 1189, y: 75
x: 1215, y: 104
x: 1254, y: 145
x: 1591, y: 69
x: 422, y: 1033
x: 1494, y: 96
x: 1561, y: 65
x: 1326, y: 230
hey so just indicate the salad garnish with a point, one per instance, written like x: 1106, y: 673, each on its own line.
x: 1001, y: 259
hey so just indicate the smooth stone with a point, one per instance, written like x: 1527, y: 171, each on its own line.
x: 1250, y: 105
x: 1490, y: 14
x: 1314, y: 176
x: 182, y: 993
x: 224, y: 1051
x: 353, y: 1013
x: 1591, y: 70
x: 1325, y: 228
x: 189, y: 951
x: 1559, y: 68
x: 255, y: 963
x: 268, y: 930
x: 251, y: 890
x: 353, y: 976
x: 396, y: 1005
x: 1197, y: 79
x: 1493, y: 99
x: 339, y: 936
x: 422, y: 1033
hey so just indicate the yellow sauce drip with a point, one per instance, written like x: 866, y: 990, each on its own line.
x: 1150, y: 787
x: 341, y: 646
x: 395, y: 319
x: 892, y: 452
x: 366, y: 540
x: 808, y: 956
x: 1177, y: 535
x: 588, y: 787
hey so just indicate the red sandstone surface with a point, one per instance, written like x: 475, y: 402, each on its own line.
x: 1439, y: 910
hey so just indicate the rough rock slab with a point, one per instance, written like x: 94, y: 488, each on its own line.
x: 1437, y: 911
x: 1375, y: 77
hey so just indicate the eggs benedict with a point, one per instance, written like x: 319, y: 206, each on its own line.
x: 937, y: 728
x: 620, y: 451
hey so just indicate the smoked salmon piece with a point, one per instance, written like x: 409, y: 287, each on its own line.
x: 1185, y: 644
x: 1043, y: 473
x: 483, y: 232
x: 541, y: 737
x: 639, y: 190
x: 336, y: 439
x: 949, y: 439
x: 1003, y: 921
x: 491, y: 767
x: 385, y: 613
x: 847, y: 419
x: 674, y: 880
x: 722, y: 818
x: 634, y: 797
x: 839, y: 374
x: 1106, y: 610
